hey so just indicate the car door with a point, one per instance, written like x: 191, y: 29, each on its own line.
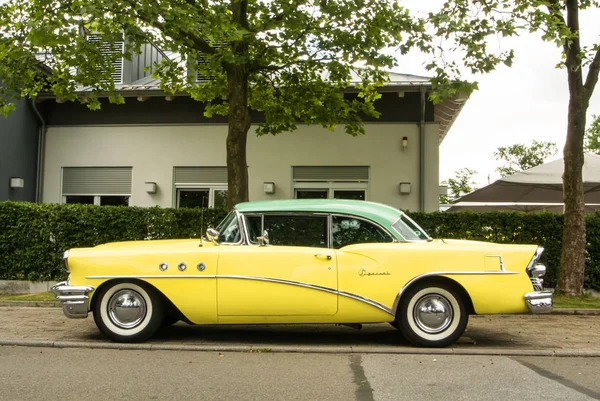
x: 295, y: 275
x: 360, y: 274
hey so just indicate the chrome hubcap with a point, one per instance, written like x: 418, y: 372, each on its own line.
x: 126, y: 309
x: 433, y: 313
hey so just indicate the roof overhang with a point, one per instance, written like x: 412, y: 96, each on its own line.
x: 445, y: 113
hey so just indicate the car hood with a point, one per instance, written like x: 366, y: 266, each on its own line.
x: 165, y: 243
x: 144, y: 247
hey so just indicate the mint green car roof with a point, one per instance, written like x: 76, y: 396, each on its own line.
x: 383, y: 214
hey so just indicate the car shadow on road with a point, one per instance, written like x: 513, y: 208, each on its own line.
x: 281, y: 335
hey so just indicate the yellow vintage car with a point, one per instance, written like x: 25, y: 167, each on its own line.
x: 304, y: 261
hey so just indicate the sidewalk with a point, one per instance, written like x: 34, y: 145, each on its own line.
x: 541, y: 335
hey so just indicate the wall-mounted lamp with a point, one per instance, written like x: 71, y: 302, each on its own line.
x: 404, y: 142
x: 404, y: 188
x: 17, y: 182
x: 269, y: 187
x: 150, y: 187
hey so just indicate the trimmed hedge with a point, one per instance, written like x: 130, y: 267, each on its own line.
x: 33, y: 236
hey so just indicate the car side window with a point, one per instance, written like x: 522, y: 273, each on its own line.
x: 296, y: 230
x: 229, y: 230
x: 254, y: 224
x: 349, y: 230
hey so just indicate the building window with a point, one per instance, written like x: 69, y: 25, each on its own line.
x: 113, y: 200
x: 100, y: 200
x: 202, y: 197
x: 102, y: 186
x: 331, y: 182
x: 312, y: 193
x: 84, y: 200
x: 200, y: 187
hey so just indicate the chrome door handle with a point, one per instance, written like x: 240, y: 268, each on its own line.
x: 320, y: 255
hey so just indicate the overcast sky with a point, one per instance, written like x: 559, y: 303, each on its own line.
x: 513, y: 105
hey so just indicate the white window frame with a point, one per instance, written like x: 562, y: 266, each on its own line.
x: 97, y: 197
x: 331, y: 186
x: 199, y: 187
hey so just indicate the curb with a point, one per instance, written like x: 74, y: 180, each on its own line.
x: 58, y: 304
x: 300, y: 349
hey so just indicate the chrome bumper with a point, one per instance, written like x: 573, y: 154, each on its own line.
x: 539, y: 301
x: 75, y: 299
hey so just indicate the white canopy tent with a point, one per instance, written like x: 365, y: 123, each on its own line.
x: 536, y: 189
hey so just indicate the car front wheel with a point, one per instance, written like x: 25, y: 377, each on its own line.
x: 432, y: 315
x: 128, y: 312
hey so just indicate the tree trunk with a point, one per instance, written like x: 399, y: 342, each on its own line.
x: 239, y: 124
x: 239, y: 117
x: 572, y: 260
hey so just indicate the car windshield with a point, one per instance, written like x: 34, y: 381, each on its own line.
x: 410, y: 230
x: 229, y: 231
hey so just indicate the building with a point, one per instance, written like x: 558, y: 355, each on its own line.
x: 161, y: 150
x: 19, y: 138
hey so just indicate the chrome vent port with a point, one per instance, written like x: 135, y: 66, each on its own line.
x: 538, y: 283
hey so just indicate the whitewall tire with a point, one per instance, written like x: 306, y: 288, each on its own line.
x: 432, y: 315
x: 128, y: 312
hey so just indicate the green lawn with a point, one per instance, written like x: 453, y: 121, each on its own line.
x: 587, y: 302
x: 42, y: 296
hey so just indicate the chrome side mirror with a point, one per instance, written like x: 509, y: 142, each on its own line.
x: 264, y: 240
x: 212, y: 235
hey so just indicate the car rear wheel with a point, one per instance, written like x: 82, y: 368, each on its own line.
x: 432, y: 315
x: 128, y: 312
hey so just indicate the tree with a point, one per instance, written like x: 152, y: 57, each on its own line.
x: 288, y: 59
x: 460, y: 185
x: 519, y: 157
x: 475, y: 27
x: 591, y: 142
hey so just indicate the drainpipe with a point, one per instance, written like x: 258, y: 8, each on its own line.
x: 422, y: 152
x: 40, y: 156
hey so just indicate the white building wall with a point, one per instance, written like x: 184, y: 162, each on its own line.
x: 153, y: 151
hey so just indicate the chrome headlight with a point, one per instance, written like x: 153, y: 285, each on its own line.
x: 538, y: 270
x: 534, y: 261
x: 66, y: 259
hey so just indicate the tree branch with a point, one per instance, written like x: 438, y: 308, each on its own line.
x: 573, y: 49
x: 555, y: 10
x: 193, y: 40
x: 274, y: 68
x: 592, y: 76
x: 277, y: 18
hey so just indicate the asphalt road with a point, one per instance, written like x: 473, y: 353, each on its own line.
x: 498, y: 334
x: 97, y: 374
